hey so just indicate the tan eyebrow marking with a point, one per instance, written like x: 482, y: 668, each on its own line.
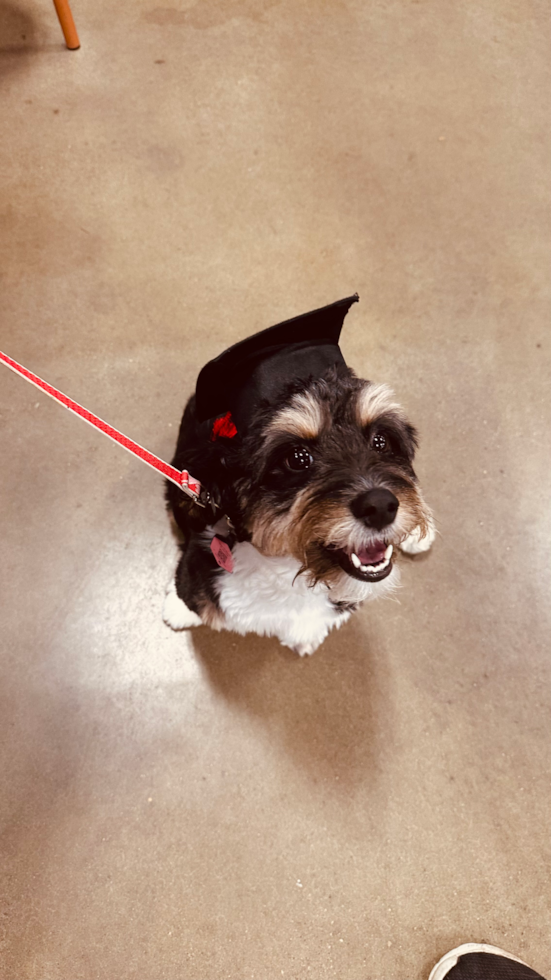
x: 375, y: 400
x: 304, y: 417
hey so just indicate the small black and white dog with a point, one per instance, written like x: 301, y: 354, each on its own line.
x: 310, y: 475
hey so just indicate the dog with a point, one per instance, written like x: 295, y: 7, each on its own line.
x: 309, y: 471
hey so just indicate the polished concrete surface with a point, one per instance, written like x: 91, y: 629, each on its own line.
x: 207, y: 806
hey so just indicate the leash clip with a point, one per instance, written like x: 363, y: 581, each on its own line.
x: 204, y: 499
x: 193, y: 488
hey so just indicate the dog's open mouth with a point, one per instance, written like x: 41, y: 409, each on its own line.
x: 369, y: 564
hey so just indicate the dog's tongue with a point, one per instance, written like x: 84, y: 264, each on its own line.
x: 372, y: 555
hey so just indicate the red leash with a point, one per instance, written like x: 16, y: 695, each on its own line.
x: 181, y: 478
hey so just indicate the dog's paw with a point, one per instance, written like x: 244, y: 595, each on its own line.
x: 175, y: 612
x: 304, y: 649
x: 416, y: 542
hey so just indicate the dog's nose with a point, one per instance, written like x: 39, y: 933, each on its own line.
x: 377, y: 508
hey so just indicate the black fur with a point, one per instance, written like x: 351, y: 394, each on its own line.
x: 195, y: 575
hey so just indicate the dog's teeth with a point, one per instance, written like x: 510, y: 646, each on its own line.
x: 356, y: 561
x: 370, y: 569
x: 388, y: 552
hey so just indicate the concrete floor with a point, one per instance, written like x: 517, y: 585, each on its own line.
x: 206, y: 806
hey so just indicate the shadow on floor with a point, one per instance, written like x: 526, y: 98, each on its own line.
x: 322, y: 709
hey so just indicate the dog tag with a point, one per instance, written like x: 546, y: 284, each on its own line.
x: 222, y: 553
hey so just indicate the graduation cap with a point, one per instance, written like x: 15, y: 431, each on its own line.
x: 255, y: 372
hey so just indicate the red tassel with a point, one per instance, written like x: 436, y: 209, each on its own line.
x: 223, y: 428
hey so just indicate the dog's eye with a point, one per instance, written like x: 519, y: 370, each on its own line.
x: 379, y: 443
x: 299, y: 458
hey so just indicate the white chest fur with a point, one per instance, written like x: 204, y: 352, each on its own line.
x: 266, y: 596
x: 263, y: 595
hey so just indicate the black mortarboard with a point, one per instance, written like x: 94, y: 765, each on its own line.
x: 256, y: 371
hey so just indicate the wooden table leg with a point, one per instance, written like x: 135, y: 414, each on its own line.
x: 65, y: 16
